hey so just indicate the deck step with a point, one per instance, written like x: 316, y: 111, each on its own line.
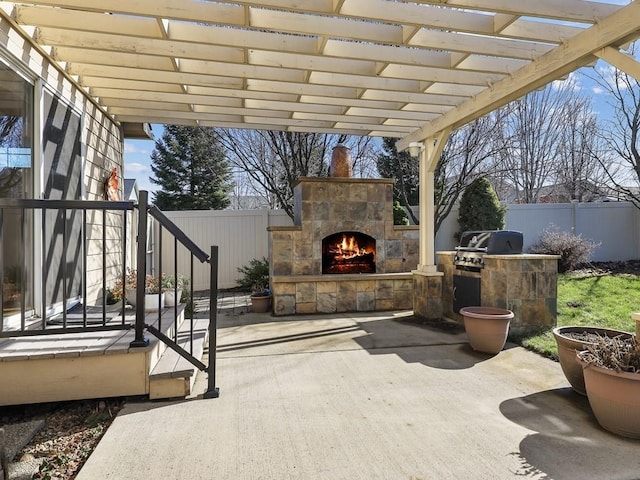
x: 173, y: 376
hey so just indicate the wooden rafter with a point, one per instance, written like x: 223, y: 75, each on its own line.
x: 369, y: 67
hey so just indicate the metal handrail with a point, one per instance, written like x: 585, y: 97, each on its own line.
x: 144, y: 209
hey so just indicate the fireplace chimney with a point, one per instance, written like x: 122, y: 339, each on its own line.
x: 341, y: 162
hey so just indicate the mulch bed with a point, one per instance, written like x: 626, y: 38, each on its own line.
x: 71, y: 432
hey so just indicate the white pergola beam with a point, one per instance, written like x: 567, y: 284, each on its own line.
x: 570, y: 10
x: 621, y: 61
x: 619, y: 28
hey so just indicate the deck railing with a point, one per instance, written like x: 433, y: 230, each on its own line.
x: 61, y: 234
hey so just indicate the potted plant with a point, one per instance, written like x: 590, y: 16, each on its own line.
x: 573, y: 339
x: 172, y: 286
x: 153, y: 299
x: 611, y: 368
x: 260, y: 298
x: 486, y: 327
x: 255, y: 276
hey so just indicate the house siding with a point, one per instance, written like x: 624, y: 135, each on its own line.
x: 102, y: 150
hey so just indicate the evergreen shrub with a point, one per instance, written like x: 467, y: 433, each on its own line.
x: 480, y: 208
x: 255, y: 275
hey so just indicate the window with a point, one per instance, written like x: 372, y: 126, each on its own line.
x: 16, y: 181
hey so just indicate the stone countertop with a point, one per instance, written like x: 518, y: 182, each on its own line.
x: 515, y: 256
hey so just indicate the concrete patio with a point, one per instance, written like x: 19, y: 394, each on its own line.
x: 365, y: 397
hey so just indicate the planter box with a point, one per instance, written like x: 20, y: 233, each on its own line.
x: 150, y: 300
x: 172, y: 298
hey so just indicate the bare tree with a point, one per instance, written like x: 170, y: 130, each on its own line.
x: 274, y: 160
x: 11, y: 131
x: 532, y: 137
x: 621, y: 133
x: 579, y: 175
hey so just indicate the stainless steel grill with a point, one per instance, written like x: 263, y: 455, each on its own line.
x: 474, y: 245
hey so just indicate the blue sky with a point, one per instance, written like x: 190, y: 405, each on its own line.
x: 137, y: 160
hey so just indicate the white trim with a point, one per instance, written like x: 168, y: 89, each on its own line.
x: 17, y: 66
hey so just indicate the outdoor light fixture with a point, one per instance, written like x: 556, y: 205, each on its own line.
x: 415, y: 148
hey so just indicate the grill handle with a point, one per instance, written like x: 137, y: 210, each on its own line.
x: 472, y: 249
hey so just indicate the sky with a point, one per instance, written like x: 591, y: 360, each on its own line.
x: 137, y: 153
x: 137, y: 159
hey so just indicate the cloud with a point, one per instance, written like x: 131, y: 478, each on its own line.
x: 135, y: 149
x: 597, y: 90
x: 135, y: 167
x: 571, y: 80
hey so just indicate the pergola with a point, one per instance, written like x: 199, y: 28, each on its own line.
x: 408, y: 69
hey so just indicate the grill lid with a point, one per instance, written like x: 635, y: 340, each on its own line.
x: 492, y: 242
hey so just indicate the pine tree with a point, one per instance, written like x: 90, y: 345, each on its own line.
x: 191, y: 169
x: 480, y: 208
x: 404, y: 169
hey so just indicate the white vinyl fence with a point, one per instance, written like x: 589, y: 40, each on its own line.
x: 242, y: 235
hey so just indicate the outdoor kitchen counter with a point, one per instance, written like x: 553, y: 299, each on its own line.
x: 526, y: 284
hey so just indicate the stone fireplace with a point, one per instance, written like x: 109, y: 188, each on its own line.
x: 343, y: 254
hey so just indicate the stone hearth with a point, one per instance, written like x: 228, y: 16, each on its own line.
x: 328, y: 206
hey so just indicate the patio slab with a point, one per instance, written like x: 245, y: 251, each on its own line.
x: 362, y: 396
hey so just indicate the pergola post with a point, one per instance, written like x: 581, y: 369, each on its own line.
x: 427, y: 285
x: 429, y: 157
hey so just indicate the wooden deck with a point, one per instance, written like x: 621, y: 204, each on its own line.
x: 86, y: 365
x: 102, y: 364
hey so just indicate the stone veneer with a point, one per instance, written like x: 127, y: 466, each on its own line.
x: 525, y: 284
x: 427, y: 295
x: 322, y: 207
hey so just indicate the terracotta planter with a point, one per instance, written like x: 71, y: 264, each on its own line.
x: 568, y: 347
x: 614, y: 398
x: 486, y: 327
x: 261, y: 304
x: 172, y: 298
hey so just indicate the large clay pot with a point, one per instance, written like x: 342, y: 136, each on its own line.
x: 568, y: 347
x: 486, y: 327
x: 614, y: 398
x: 261, y: 304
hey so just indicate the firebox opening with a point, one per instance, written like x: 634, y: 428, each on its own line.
x: 349, y: 252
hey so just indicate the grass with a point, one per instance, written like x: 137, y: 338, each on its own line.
x: 599, y: 300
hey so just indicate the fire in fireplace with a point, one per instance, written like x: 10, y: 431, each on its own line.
x: 349, y: 252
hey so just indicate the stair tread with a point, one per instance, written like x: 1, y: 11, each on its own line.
x: 173, y: 365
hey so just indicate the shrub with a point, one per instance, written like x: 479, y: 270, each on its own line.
x: 573, y: 249
x: 399, y: 214
x: 480, y: 208
x: 254, y: 275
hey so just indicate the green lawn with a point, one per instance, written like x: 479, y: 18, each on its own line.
x: 605, y: 301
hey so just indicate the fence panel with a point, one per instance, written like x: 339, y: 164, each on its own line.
x: 242, y: 234
x: 614, y: 225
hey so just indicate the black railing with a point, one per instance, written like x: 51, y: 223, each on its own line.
x: 64, y: 235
